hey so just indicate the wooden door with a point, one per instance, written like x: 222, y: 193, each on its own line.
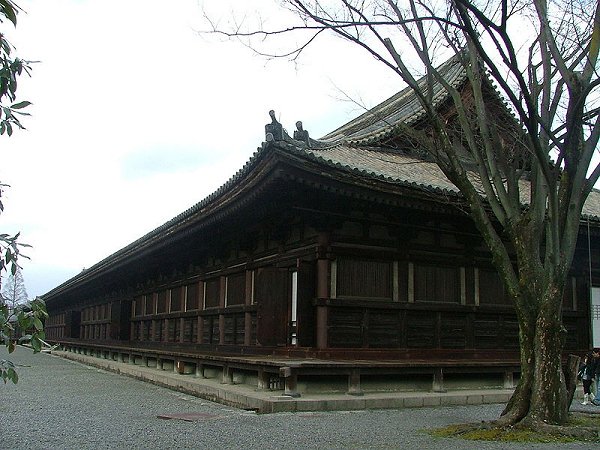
x: 272, y: 295
x: 120, y: 319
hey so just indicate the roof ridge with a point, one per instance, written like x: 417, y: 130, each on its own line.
x: 402, y: 107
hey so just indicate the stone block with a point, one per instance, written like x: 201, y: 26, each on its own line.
x: 433, y: 400
x: 453, y: 400
x: 474, y: 399
x: 413, y: 402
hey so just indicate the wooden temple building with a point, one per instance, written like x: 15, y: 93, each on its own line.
x: 340, y: 260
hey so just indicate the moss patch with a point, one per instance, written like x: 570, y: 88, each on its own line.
x: 489, y: 432
x: 584, y: 420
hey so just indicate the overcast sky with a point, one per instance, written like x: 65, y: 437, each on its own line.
x: 136, y: 118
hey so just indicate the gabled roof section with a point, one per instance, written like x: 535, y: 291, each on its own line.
x: 402, y: 108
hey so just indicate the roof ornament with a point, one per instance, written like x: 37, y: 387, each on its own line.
x: 273, y: 130
x: 301, y: 134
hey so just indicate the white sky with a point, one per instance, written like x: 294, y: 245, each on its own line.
x: 136, y: 118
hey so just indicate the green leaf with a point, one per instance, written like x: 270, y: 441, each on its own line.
x: 8, y: 9
x: 4, y: 363
x: 12, y: 375
x: 25, y: 321
x: 36, y: 344
x: 20, y: 105
x: 37, y: 323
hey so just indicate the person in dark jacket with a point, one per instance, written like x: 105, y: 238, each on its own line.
x: 595, y: 399
x: 588, y: 372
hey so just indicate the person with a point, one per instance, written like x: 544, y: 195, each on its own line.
x: 596, y: 358
x: 588, y: 372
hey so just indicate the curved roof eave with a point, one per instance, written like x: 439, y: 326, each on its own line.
x: 163, y: 231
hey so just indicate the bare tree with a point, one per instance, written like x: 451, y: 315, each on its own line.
x: 543, y: 129
x: 13, y: 289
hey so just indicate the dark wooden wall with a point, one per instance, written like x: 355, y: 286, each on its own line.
x: 394, y: 279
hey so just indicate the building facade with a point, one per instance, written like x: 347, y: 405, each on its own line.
x: 344, y: 249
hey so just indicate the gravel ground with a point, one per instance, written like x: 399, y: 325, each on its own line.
x: 59, y: 404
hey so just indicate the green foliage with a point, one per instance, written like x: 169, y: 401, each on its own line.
x: 11, y: 68
x: 23, y: 324
x: 8, y: 9
x: 10, y: 248
x: 19, y: 323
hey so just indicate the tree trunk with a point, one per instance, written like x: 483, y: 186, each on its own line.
x: 541, y: 394
x: 549, y: 394
x: 518, y: 405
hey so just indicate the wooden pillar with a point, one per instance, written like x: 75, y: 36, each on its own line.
x: 322, y: 293
x: 151, y: 337
x: 323, y: 278
x: 200, y: 330
x: 181, y: 329
x: 322, y: 337
x: 247, y: 329
x: 222, y: 300
x: 221, y: 329
x: 248, y: 301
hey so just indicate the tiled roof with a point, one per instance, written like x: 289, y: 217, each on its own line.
x: 591, y: 207
x: 379, y: 163
x: 408, y: 170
